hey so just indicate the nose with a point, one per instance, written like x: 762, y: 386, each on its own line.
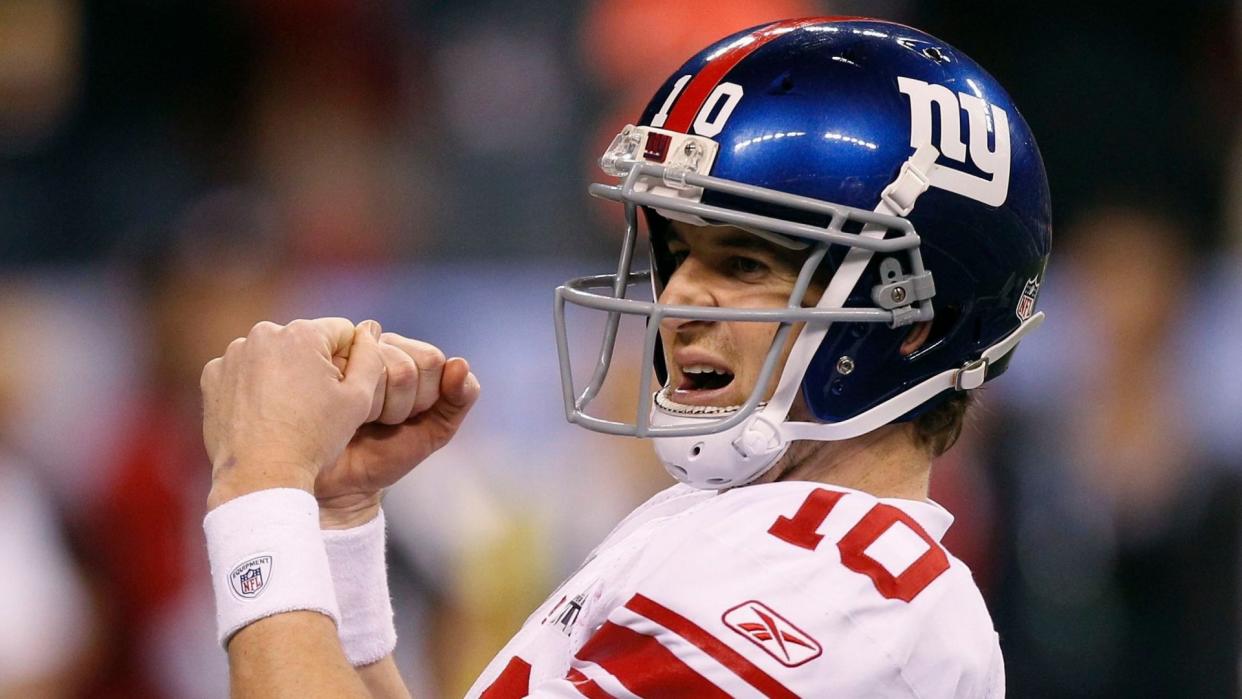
x: 689, y: 285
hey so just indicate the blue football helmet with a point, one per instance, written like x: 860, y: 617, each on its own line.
x: 883, y: 153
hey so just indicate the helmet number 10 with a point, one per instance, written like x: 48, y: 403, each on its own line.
x: 713, y: 113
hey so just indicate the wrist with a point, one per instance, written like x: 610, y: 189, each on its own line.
x: 231, y: 480
x: 267, y: 557
x: 360, y: 578
x: 348, y: 511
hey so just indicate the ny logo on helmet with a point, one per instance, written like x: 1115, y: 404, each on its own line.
x: 982, y: 119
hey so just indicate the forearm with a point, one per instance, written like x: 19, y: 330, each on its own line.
x: 294, y: 655
x: 383, y: 680
x: 298, y: 655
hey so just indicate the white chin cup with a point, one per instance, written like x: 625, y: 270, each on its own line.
x: 725, y: 459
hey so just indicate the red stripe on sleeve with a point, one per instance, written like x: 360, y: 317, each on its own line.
x: 711, y: 645
x: 586, y: 686
x: 645, y: 666
x: 701, y: 86
x: 512, y: 683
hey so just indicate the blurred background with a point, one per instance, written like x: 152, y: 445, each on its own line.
x: 173, y: 171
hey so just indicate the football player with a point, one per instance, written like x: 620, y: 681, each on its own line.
x: 849, y: 225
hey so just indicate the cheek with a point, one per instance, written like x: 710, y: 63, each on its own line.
x: 752, y: 343
x: 666, y: 342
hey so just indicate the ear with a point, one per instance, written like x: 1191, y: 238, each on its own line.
x: 916, y: 338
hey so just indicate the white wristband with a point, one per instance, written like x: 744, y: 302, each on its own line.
x: 267, y: 558
x: 360, y: 576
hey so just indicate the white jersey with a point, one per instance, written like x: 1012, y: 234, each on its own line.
x: 790, y: 589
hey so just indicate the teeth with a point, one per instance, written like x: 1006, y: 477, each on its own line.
x: 703, y: 369
x: 668, y: 405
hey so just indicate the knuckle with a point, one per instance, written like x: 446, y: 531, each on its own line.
x: 329, y: 325
x: 402, y: 375
x: 210, y: 370
x: 264, y: 327
x: 303, y: 329
x: 433, y: 357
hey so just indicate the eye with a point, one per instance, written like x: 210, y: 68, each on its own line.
x: 747, y: 266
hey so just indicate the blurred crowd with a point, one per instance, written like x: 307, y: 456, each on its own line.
x: 172, y: 172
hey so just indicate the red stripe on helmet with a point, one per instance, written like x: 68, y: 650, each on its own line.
x: 701, y: 86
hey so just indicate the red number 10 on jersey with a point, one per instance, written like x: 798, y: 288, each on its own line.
x: 800, y: 530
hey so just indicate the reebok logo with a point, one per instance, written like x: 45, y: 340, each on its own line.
x: 775, y: 634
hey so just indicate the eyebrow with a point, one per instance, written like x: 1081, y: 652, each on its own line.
x: 735, y: 239
x: 740, y: 240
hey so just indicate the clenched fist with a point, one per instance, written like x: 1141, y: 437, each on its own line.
x: 416, y: 410
x: 330, y: 408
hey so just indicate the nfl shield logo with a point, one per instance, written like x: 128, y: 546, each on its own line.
x: 250, y: 577
x: 1026, y: 304
x: 251, y: 581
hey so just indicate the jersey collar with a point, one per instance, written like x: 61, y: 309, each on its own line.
x: 930, y: 515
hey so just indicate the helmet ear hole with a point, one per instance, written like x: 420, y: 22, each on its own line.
x: 916, y: 338
x: 942, y: 325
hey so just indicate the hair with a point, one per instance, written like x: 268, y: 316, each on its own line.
x: 938, y: 429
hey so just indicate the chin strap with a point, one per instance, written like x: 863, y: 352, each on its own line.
x: 969, y: 376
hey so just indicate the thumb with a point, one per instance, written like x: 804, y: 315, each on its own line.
x: 366, y: 364
x: 459, y: 389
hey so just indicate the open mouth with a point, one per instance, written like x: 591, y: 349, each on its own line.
x: 702, y: 377
x: 699, y: 386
